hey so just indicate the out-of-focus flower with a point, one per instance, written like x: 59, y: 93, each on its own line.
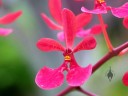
x: 48, y: 78
x: 55, y: 8
x: 0, y: 2
x: 125, y: 22
x: 7, y: 19
x: 125, y: 79
x: 5, y: 32
x: 102, y: 8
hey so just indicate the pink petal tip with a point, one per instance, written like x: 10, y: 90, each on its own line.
x: 125, y: 22
x: 11, y: 17
x: 120, y: 12
x: 5, y: 32
x: 95, y: 11
x: 125, y: 79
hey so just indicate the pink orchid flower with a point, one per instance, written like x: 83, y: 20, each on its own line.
x: 125, y: 79
x: 48, y: 78
x: 102, y: 8
x: 125, y: 22
x: 82, y: 20
x: 7, y: 19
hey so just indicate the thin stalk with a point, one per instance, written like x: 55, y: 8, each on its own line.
x: 108, y: 42
x: 69, y: 89
x: 85, y: 92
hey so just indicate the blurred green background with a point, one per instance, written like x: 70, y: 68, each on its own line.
x: 20, y: 60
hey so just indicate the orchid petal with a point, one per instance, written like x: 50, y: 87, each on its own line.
x: 77, y: 75
x: 125, y: 79
x: 84, y: 33
x: 120, y: 12
x: 69, y: 26
x: 55, y: 10
x: 50, y: 23
x: 5, y: 32
x: 101, y: 10
x: 11, y: 17
x: 83, y: 19
x: 47, y: 44
x: 60, y: 36
x: 97, y: 29
x: 48, y: 78
x: 125, y: 22
x: 87, y: 44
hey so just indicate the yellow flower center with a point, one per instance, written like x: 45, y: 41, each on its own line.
x: 100, y: 1
x: 68, y: 58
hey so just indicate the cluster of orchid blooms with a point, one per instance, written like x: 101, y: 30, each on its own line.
x: 70, y: 27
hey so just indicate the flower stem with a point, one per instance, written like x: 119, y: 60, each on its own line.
x: 109, y: 55
x: 108, y: 42
x: 85, y: 92
x: 69, y: 89
x: 65, y: 91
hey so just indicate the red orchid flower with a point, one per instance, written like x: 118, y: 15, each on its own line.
x: 7, y: 19
x: 102, y: 8
x: 125, y: 79
x: 48, y: 78
x: 55, y: 7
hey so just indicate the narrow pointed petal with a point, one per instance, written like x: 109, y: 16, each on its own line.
x: 101, y: 10
x: 48, y: 78
x: 11, y: 17
x: 5, y: 32
x: 60, y: 36
x: 47, y: 44
x: 84, y: 33
x: 78, y: 75
x: 87, y: 44
x: 69, y: 25
x: 120, y: 12
x: 125, y: 22
x: 50, y: 23
x: 83, y: 19
x: 55, y: 10
x: 125, y: 79
x: 97, y: 29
